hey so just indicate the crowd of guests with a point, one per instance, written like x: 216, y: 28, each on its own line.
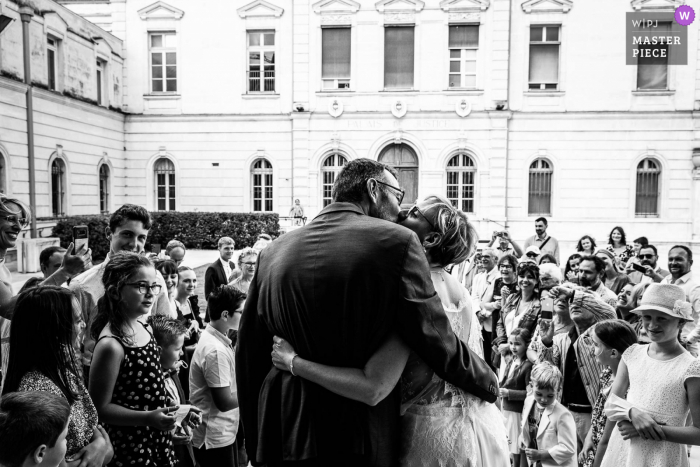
x: 121, y: 364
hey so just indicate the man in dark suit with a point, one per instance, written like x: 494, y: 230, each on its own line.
x: 335, y: 289
x: 220, y: 272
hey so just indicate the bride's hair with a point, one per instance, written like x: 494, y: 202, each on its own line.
x: 458, y: 236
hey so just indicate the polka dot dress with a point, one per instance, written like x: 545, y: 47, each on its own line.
x: 140, y: 386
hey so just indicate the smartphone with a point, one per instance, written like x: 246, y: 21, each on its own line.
x: 639, y: 267
x: 155, y: 248
x: 80, y: 238
x: 547, y: 308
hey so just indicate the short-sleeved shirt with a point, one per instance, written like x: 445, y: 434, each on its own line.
x: 212, y: 366
x: 549, y: 245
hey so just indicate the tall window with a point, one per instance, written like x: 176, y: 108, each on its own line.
x: 463, y: 44
x: 461, y: 174
x: 331, y: 167
x: 540, y: 188
x: 544, y: 57
x: 3, y: 173
x: 262, y: 186
x: 652, y: 71
x: 335, y: 58
x: 647, y: 199
x: 261, y: 61
x: 51, y: 61
x: 398, y: 57
x: 164, y: 171
x: 58, y: 187
x: 99, y: 72
x: 163, y: 54
x: 104, y: 189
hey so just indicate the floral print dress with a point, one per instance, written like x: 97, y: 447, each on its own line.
x: 598, y: 418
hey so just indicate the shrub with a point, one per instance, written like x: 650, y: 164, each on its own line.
x: 199, y: 230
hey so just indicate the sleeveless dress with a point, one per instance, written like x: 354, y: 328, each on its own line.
x: 140, y: 386
x: 443, y: 426
x: 658, y: 388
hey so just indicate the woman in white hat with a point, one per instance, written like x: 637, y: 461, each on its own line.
x: 659, y: 380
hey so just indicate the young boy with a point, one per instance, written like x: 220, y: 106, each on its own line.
x: 33, y: 429
x: 170, y: 336
x: 548, y: 434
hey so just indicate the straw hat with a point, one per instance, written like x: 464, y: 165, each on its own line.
x: 667, y: 298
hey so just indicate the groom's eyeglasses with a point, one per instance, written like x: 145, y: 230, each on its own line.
x: 399, y: 192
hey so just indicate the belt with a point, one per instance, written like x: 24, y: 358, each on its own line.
x: 579, y: 408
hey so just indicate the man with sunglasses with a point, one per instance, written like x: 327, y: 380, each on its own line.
x: 648, y: 258
x: 336, y: 289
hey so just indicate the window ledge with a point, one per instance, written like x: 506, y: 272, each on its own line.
x: 260, y: 95
x: 161, y: 97
x: 653, y: 93
x: 543, y: 93
x: 328, y: 92
x: 405, y: 90
x: 465, y: 91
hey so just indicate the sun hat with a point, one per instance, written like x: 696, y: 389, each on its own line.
x: 532, y: 249
x: 667, y: 298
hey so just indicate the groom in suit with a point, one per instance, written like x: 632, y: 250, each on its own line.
x: 335, y: 289
x: 220, y: 272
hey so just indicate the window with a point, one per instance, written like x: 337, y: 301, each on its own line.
x: 165, y: 184
x: 652, y: 72
x: 104, y: 189
x: 3, y: 173
x: 544, y: 57
x: 540, y: 188
x: 262, y: 186
x: 261, y: 61
x: 398, y: 57
x: 331, y: 167
x: 58, y: 187
x: 163, y: 55
x: 463, y: 44
x: 335, y: 58
x: 51, y: 61
x: 647, y: 199
x: 99, y: 71
x: 461, y: 173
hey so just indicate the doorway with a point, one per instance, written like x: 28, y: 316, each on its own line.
x: 403, y: 158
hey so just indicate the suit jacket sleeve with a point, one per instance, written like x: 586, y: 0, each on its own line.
x: 209, y: 280
x: 565, y: 449
x: 423, y: 324
x: 253, y: 363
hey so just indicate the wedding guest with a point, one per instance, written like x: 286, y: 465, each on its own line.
x: 263, y: 242
x: 571, y: 268
x: 586, y: 246
x: 188, y: 314
x: 613, y: 279
x: 637, y: 245
x: 53, y: 263
x: 493, y: 301
x: 506, y: 245
x: 548, y: 433
x: 617, y: 245
x: 223, y: 270
x: 532, y: 254
x: 247, y: 260
x: 648, y: 258
x: 176, y: 251
x: 33, y: 429
x: 545, y: 243
x: 482, y: 285
x: 130, y: 407
x: 610, y: 340
x: 680, y: 260
x: 656, y: 389
x: 43, y: 357
x: 168, y: 269
x: 590, y: 276
x: 547, y: 258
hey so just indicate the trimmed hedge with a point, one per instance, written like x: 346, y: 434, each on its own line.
x: 198, y: 230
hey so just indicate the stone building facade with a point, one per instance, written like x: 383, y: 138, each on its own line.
x: 511, y: 108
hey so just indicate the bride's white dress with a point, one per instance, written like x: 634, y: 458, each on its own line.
x: 443, y: 426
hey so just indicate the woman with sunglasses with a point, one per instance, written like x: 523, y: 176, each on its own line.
x: 126, y: 378
x: 441, y: 424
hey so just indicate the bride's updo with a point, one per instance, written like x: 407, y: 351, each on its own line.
x: 458, y: 236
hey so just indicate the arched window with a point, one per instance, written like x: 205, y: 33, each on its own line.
x: 330, y: 169
x: 164, y: 172
x: 262, y: 186
x: 461, y: 173
x: 647, y: 199
x: 58, y: 187
x: 104, y: 189
x: 540, y: 188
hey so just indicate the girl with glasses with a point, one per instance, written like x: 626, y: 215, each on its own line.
x: 441, y: 424
x: 126, y: 381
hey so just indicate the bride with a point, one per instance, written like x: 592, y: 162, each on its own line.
x: 441, y: 425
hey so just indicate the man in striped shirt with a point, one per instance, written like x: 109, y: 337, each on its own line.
x: 572, y: 352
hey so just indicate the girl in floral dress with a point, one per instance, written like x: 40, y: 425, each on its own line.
x: 126, y: 381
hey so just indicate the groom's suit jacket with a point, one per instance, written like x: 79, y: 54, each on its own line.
x: 335, y: 289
